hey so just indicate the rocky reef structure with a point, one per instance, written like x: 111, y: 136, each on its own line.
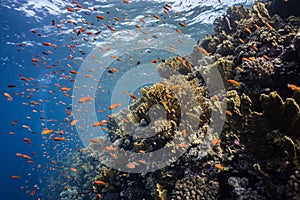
x: 258, y: 40
x: 257, y: 52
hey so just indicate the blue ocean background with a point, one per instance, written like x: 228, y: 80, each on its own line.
x: 18, y: 18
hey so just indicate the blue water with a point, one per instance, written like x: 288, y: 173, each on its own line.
x: 18, y: 18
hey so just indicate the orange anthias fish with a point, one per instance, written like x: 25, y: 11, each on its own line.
x: 131, y: 165
x: 70, y: 9
x: 180, y: 58
x: 100, y: 17
x: 133, y: 96
x: 58, y: 138
x: 74, y: 122
x: 32, y: 193
x: 110, y: 148
x: 114, y: 106
x: 98, y: 182
x: 46, y: 131
x: 175, y: 87
x: 100, y: 123
x: 65, y: 89
x: 292, y: 87
x: 203, y: 51
x: 27, y: 140
x: 234, y: 82
x: 15, y: 177
x: 219, y: 166
x: 182, y: 24
x: 47, y: 44
x: 215, y: 141
x: 84, y: 99
x: 9, y: 97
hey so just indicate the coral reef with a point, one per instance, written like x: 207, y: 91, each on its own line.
x: 256, y: 156
x: 264, y: 47
x: 195, y: 187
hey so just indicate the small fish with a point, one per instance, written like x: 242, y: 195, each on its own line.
x: 100, y: 17
x: 74, y: 122
x: 114, y: 106
x: 246, y: 59
x: 98, y: 182
x: 15, y: 177
x: 248, y: 30
x: 256, y: 26
x: 11, y: 86
x: 292, y: 87
x: 251, y: 58
x: 183, y: 133
x: 117, y: 19
x: 143, y: 162
x: 219, y: 166
x: 167, y: 12
x: 236, y: 142
x: 175, y: 87
x: 27, y: 140
x: 34, y: 60
x: 182, y: 24
x: 202, y: 51
x: 178, y: 31
x: 48, y: 44
x: 255, y: 48
x: 70, y: 9
x: 9, y: 97
x: 84, y: 99
x: 241, y: 40
x: 269, y: 26
x: 46, y: 131
x: 114, y: 70
x: 156, y: 17
x: 234, y: 82
x: 32, y: 193
x: 168, y: 6
x: 182, y: 145
x: 58, y: 138
x: 95, y: 141
x: 111, y: 28
x: 110, y: 148
x: 100, y: 123
x: 180, y: 58
x: 72, y: 71
x: 238, y: 68
x: 131, y: 165
x: 266, y: 57
x: 133, y: 96
x: 26, y: 156
x: 73, y: 169
x: 228, y: 112
x: 65, y: 88
x: 215, y: 141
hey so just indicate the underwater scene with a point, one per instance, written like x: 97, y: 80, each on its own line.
x: 150, y: 99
